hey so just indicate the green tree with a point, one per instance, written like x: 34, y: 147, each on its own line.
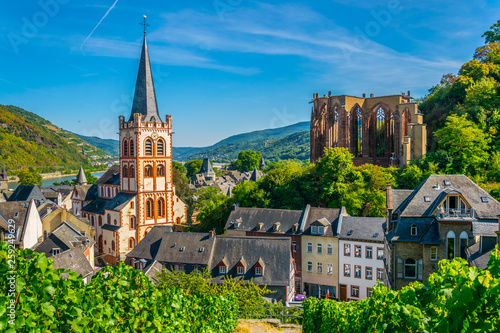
x: 27, y: 177
x: 90, y: 178
x: 248, y: 160
x: 466, y: 143
x: 248, y: 194
x: 492, y: 35
x: 180, y: 167
x: 192, y: 167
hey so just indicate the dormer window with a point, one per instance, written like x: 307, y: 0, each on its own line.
x: 260, y: 226
x: 55, y: 251
x: 314, y: 230
x: 295, y: 227
x: 258, y: 270
x: 485, y: 200
x: 182, y: 248
x: 240, y: 270
x: 321, y: 230
x: 222, y: 269
x: 427, y: 199
x: 276, y: 226
x: 413, y: 230
x: 447, y: 182
x: 201, y: 249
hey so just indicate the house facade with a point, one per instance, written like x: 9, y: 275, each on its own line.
x: 440, y: 219
x: 20, y: 223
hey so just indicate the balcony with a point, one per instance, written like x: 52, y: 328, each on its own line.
x: 459, y: 214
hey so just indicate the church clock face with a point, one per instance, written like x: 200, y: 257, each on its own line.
x: 154, y: 136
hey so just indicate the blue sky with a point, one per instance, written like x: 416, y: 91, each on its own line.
x: 223, y: 67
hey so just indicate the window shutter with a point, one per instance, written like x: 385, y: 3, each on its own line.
x: 420, y: 269
x: 399, y: 268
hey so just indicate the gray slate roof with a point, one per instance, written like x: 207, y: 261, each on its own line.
x: 152, y: 269
x: 476, y: 257
x: 434, y: 187
x: 26, y: 193
x: 8, y: 211
x: 315, y: 214
x: 206, y: 168
x: 73, y: 260
x: 427, y: 231
x: 111, y: 227
x: 65, y: 237
x: 80, y: 178
x: 363, y: 228
x: 145, y: 96
x: 251, y: 217
x: 274, y: 252
x: 117, y: 203
x: 86, y: 192
x: 163, y: 245
x: 65, y: 190
x: 111, y: 176
x: 485, y: 228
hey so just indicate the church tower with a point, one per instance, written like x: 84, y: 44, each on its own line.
x: 146, y: 154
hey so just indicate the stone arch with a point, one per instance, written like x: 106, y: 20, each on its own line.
x: 355, y: 130
x: 381, y: 131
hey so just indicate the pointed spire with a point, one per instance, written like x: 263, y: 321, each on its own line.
x: 144, y: 96
x: 81, y: 179
x: 262, y: 163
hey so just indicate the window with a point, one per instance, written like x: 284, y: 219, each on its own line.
x: 309, y: 247
x: 222, y: 269
x: 149, y: 208
x: 464, y: 242
x: 148, y: 171
x: 314, y: 230
x: 114, y: 221
x: 347, y: 250
x: 319, y: 248
x: 148, y: 147
x: 354, y: 291
x: 196, y: 267
x: 319, y: 268
x: 240, y: 270
x: 380, y: 253
x: 112, y: 245
x: 357, y: 272
x: 347, y: 270
x: 427, y: 199
x: 434, y: 254
x: 485, y: 199
x: 161, y: 207
x: 413, y: 230
x: 451, y: 245
x: 357, y: 251
x: 369, y: 251
x: 380, y: 274
x: 294, y: 246
x: 329, y: 269
x: 369, y: 292
x: 160, y: 170
x: 132, y: 222
x: 125, y: 147
x: 56, y: 251
x: 410, y: 269
x: 132, y: 204
x: 329, y: 249
x: 125, y: 171
x: 109, y: 219
x: 321, y: 230
x: 131, y: 147
x: 132, y: 172
x: 100, y: 221
x: 309, y: 266
x: 131, y: 243
x: 258, y: 270
x: 368, y: 273
x: 160, y: 147
x: 182, y: 268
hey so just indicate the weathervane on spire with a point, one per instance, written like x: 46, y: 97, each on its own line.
x: 144, y: 24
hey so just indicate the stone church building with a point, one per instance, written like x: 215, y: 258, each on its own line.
x: 384, y: 130
x: 139, y: 193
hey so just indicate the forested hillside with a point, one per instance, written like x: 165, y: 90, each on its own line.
x: 30, y: 141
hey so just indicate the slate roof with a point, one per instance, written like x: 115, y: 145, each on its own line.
x: 427, y: 231
x: 111, y: 176
x: 251, y: 217
x: 111, y: 227
x: 86, y: 192
x: 152, y: 269
x: 398, y: 196
x: 476, y: 257
x: 8, y: 211
x: 274, y: 252
x: 65, y: 190
x: 315, y: 214
x: 256, y: 175
x: 26, y: 193
x: 144, y: 97
x: 80, y: 178
x: 163, y: 245
x: 73, y: 260
x: 434, y: 187
x: 99, y: 205
x: 206, y: 168
x: 484, y: 228
x: 65, y: 237
x: 363, y: 228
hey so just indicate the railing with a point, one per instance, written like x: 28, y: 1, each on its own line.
x: 280, y: 312
x: 455, y: 213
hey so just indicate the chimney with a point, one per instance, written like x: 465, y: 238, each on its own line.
x: 211, y: 234
x: 329, y: 93
x: 371, y: 95
x: 409, y: 93
x: 389, y: 208
x: 403, y: 94
x: 364, y: 95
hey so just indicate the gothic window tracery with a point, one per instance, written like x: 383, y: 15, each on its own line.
x: 148, y: 147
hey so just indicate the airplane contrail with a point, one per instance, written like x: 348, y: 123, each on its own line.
x: 110, y: 8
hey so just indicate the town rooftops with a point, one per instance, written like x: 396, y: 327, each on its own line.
x: 426, y: 197
x: 111, y: 176
x: 74, y: 260
x: 163, y: 245
x: 315, y: 216
x: 264, y: 219
x: 86, y: 192
x: 16, y: 211
x: 26, y: 193
x: 426, y: 231
x: 99, y: 205
x: 362, y: 228
x: 65, y: 237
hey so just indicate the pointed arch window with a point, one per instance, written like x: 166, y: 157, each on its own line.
x: 160, y: 170
x: 132, y: 172
x: 112, y: 245
x: 464, y: 242
x: 149, y: 208
x: 100, y: 221
x: 100, y: 244
x: 125, y: 171
x: 356, y: 132
x: 160, y: 147
x: 131, y: 243
x: 132, y: 147
x: 161, y: 207
x: 132, y: 222
x: 148, y: 171
x: 109, y: 219
x: 335, y: 128
x: 380, y: 132
x: 148, y: 147
x: 450, y: 241
x: 125, y: 147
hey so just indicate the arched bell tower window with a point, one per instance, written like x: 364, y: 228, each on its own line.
x: 160, y: 170
x: 132, y: 147
x: 132, y: 171
x: 125, y: 171
x: 148, y: 171
x: 149, y: 208
x: 161, y: 207
x: 125, y: 147
x: 160, y: 147
x: 148, y: 147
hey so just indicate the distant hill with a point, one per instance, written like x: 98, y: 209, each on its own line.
x: 28, y: 140
x: 230, y: 143
x: 110, y: 146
